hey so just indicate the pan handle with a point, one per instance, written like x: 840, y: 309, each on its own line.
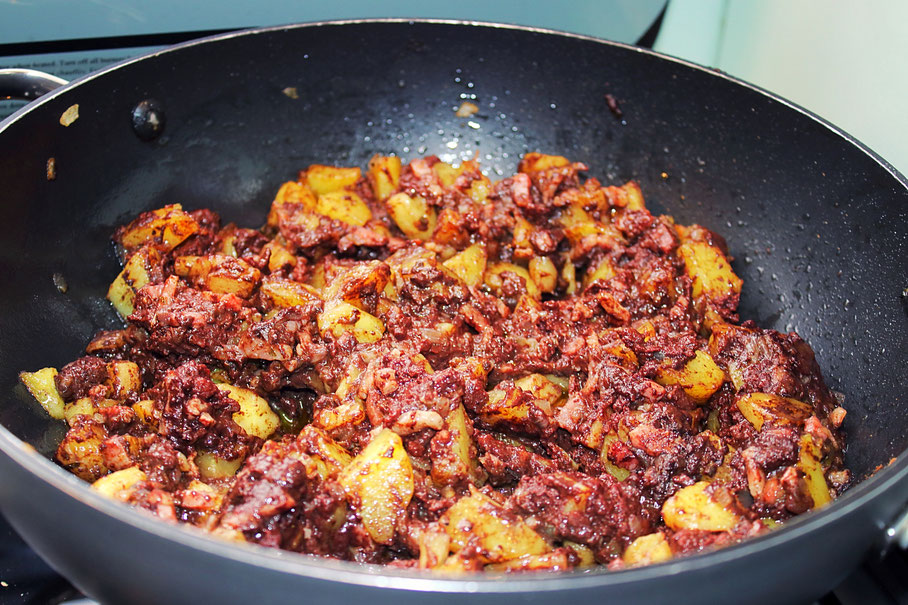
x: 27, y: 84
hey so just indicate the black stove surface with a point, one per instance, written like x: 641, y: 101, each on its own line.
x: 27, y: 580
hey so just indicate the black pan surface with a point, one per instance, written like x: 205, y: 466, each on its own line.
x: 817, y: 225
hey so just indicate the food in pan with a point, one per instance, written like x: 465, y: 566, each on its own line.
x: 423, y: 368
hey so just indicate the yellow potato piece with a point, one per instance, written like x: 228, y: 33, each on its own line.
x: 809, y: 463
x: 604, y: 271
x: 384, y: 175
x: 692, y: 508
x: 469, y: 265
x: 339, y: 318
x: 614, y: 470
x: 287, y: 293
x: 255, y: 415
x: 651, y: 548
x: 460, y: 462
x: 132, y: 278
x: 113, y: 484
x: 344, y: 206
x: 42, y: 387
x: 212, y: 467
x: 379, y: 484
x: 493, y: 278
x: 165, y: 228
x: 544, y: 272
x: 219, y: 273
x: 535, y: 161
x: 709, y: 269
x: 500, y: 535
x: 125, y: 378
x: 700, y: 377
x: 759, y: 408
x: 327, y: 179
x: 412, y: 215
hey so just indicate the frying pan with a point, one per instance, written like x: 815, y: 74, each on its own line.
x: 815, y: 221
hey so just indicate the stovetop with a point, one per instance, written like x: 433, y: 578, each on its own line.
x: 27, y: 580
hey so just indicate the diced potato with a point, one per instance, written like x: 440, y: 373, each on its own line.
x: 132, y: 278
x: 42, y: 387
x: 80, y: 451
x: 501, y: 536
x: 379, y: 485
x: 412, y: 215
x: 344, y: 206
x: 125, y: 378
x: 328, y: 179
x: 212, y: 467
x: 535, y: 161
x: 83, y: 406
x: 542, y: 388
x: 164, y: 229
x: 360, y: 285
x: 493, y: 278
x: 287, y: 293
x: 219, y: 273
x: 587, y: 557
x: 459, y: 459
x: 333, y: 455
x: 651, y: 548
x: 809, y: 464
x: 759, y: 408
x: 569, y: 275
x: 449, y: 229
x: 145, y: 411
x: 434, y: 546
x: 349, y: 413
x: 342, y: 317
x: 447, y: 173
x: 604, y: 271
x: 544, y: 273
x: 479, y: 190
x: 279, y: 256
x: 692, y: 507
x: 469, y: 265
x: 633, y: 196
x: 709, y: 269
x: 509, y: 406
x: 255, y: 416
x: 613, y: 469
x: 114, y: 484
x: 700, y: 377
x: 552, y: 561
x: 384, y: 175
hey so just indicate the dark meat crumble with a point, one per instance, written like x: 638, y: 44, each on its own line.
x: 423, y: 368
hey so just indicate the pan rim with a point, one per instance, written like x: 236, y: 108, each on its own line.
x: 379, y: 576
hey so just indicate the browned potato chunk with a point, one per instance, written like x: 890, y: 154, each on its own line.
x: 219, y: 273
x: 255, y: 416
x: 493, y: 278
x: 164, y: 229
x: 759, y: 408
x: 502, y: 536
x: 453, y: 454
x: 125, y: 378
x: 700, y: 377
x: 42, y: 387
x: 339, y: 318
x: 80, y: 451
x: 114, y: 484
x: 384, y: 175
x: 287, y: 293
x: 379, y: 485
x: 651, y: 548
x: 212, y: 467
x: 544, y: 273
x: 132, y: 278
x: 412, y: 215
x: 535, y: 161
x: 344, y: 206
x: 469, y: 265
x: 709, y: 269
x: 328, y: 179
x: 693, y: 507
x: 809, y: 464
